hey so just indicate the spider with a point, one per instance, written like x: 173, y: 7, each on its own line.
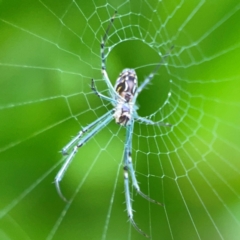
x: 123, y: 97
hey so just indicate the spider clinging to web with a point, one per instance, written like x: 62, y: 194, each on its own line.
x: 123, y: 97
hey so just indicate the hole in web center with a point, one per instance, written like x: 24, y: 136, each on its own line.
x: 144, y: 59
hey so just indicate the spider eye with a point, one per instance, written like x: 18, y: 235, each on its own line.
x: 124, y: 119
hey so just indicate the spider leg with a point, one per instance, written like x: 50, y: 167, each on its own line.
x: 150, y: 122
x: 128, y: 167
x: 104, y: 40
x: 104, y: 72
x: 128, y: 160
x: 129, y: 204
x: 102, y: 122
x: 79, y: 135
x: 151, y: 75
x: 93, y: 87
x: 135, y: 183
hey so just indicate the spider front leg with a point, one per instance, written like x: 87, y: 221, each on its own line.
x: 100, y: 123
x: 128, y: 167
x: 79, y: 135
x: 128, y: 202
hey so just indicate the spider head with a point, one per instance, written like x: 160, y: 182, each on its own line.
x: 123, y: 113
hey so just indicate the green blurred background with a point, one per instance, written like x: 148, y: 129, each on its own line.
x: 50, y: 50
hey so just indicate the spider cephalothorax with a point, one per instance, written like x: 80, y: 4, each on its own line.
x: 123, y: 97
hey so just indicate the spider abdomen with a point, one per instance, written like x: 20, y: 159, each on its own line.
x: 126, y: 84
